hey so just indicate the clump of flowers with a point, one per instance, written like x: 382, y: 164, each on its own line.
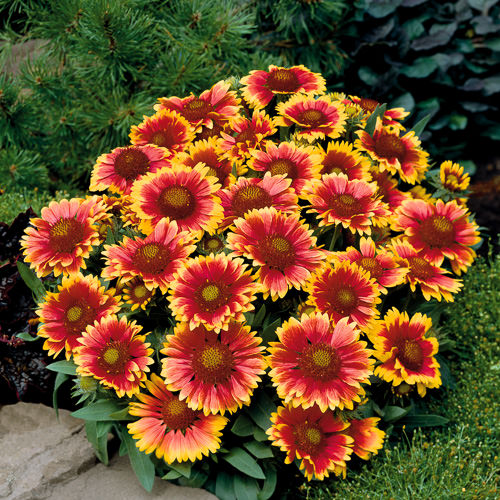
x: 247, y: 287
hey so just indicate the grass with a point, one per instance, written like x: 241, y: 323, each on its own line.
x: 459, y: 461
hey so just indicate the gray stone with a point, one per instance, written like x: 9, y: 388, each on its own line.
x: 45, y: 459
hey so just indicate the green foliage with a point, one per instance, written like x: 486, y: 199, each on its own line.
x: 453, y: 46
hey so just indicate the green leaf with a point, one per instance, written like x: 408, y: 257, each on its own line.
x: 197, y: 479
x: 67, y: 367
x: 26, y: 337
x: 60, y: 379
x: 469, y: 166
x: 458, y: 122
x: 122, y: 414
x: 242, y: 461
x: 269, y: 485
x: 260, y: 435
x: 393, y: 413
x: 371, y: 123
x: 259, y: 317
x: 141, y: 463
x: 110, y: 238
x: 269, y: 333
x: 493, y: 132
x: 224, y: 486
x: 100, y: 410
x: 245, y: 488
x: 493, y: 44
x: 184, y: 469
x: 259, y: 450
x: 368, y: 76
x: 260, y: 410
x: 423, y: 420
x: 405, y: 101
x: 169, y: 476
x: 97, y: 434
x: 32, y: 281
x: 243, y: 426
x: 420, y: 68
x: 420, y: 126
x: 382, y: 8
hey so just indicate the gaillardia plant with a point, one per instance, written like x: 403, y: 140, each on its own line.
x: 264, y: 277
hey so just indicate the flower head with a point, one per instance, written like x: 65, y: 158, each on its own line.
x: 282, y: 247
x: 112, y: 351
x: 368, y: 439
x: 136, y: 293
x: 259, y: 87
x: 65, y: 314
x: 214, y: 373
x: 154, y: 259
x: 315, y: 362
x: 342, y: 158
x: 315, y: 118
x: 183, y: 194
x: 452, y: 176
x: 405, y: 353
x: 64, y: 236
x: 212, y: 290
x: 170, y: 428
x: 118, y: 170
x: 313, y: 436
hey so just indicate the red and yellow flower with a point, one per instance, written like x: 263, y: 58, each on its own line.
x: 214, y: 373
x: 166, y: 128
x: 313, y: 436
x: 153, y: 259
x: 298, y: 163
x: 430, y: 278
x: 406, y: 355
x: 452, y: 176
x: 354, y: 204
x: 254, y: 193
x: 280, y: 245
x: 439, y: 230
x: 259, y: 87
x: 248, y: 135
x: 368, y: 439
x: 392, y: 117
x: 136, y: 293
x: 216, y: 105
x: 380, y: 263
x: 342, y: 158
x: 118, y: 170
x: 344, y: 291
x: 112, y: 351
x: 316, y: 118
x: 387, y: 188
x: 316, y: 362
x: 212, y: 290
x: 398, y: 155
x: 64, y: 236
x: 206, y: 152
x: 183, y: 194
x: 170, y: 428
x: 65, y: 314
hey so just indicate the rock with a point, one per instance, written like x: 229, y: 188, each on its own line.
x: 43, y: 459
x: 37, y: 451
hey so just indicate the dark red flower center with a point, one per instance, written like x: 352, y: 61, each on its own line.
x: 345, y: 205
x: 114, y: 357
x: 152, y: 258
x: 320, y: 361
x: 308, y: 438
x: 78, y: 316
x: 283, y: 166
x: 343, y: 298
x: 420, y: 268
x: 65, y: 234
x: 177, y: 415
x: 213, y: 363
x: 212, y: 295
x: 209, y: 132
x: 312, y: 118
x: 212, y: 244
x: 130, y: 163
x: 277, y: 252
x: 283, y: 80
x: 437, y: 231
x: 249, y: 197
x: 368, y: 105
x: 337, y: 162
x: 390, y: 146
x: 371, y: 265
x: 410, y: 354
x: 177, y: 202
x: 247, y: 135
x: 197, y: 109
